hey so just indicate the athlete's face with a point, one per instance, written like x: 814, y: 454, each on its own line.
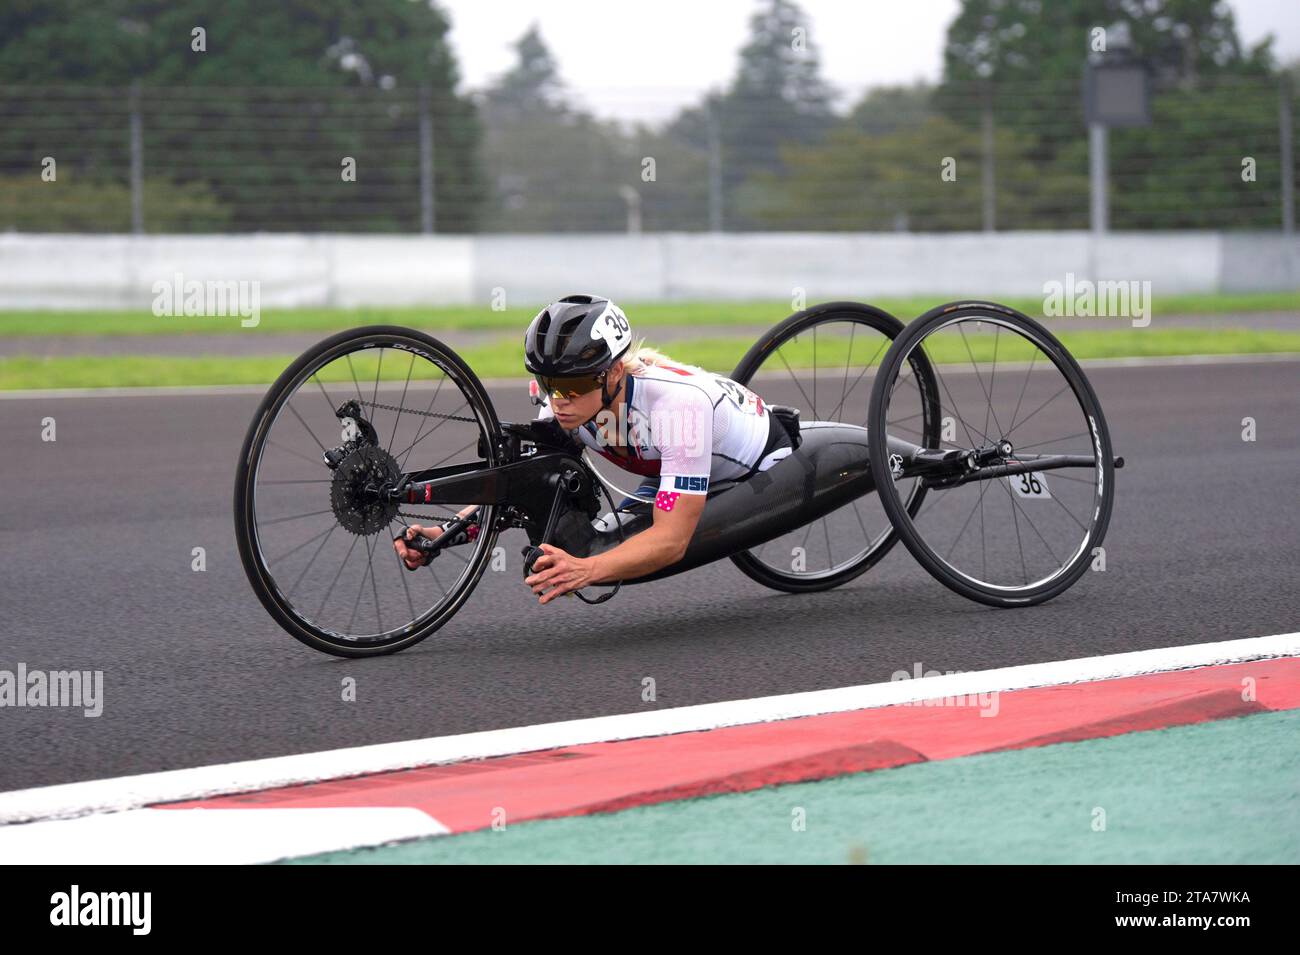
x: 575, y: 412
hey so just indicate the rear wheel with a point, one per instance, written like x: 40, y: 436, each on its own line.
x: 316, y: 540
x: 824, y: 361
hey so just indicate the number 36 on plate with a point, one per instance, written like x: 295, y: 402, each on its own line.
x: 1030, y: 484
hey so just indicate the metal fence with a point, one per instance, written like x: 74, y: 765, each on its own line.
x: 206, y: 159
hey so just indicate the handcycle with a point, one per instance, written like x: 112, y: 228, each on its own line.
x: 953, y: 423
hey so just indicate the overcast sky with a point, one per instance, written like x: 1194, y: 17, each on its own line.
x: 635, y: 60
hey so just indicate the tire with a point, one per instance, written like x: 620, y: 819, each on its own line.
x: 749, y: 563
x: 260, y: 576
x: 951, y: 316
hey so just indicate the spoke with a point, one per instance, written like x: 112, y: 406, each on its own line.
x: 1016, y: 521
x: 943, y: 383
x: 793, y: 378
x: 961, y: 533
x: 1039, y: 444
x: 890, y: 428
x: 437, y: 579
x: 1063, y: 390
x: 419, y: 431
x: 451, y: 551
x: 984, y: 544
x: 360, y: 590
x: 1082, y: 526
x: 803, y: 545
x: 329, y: 402
x: 422, y: 434
x: 909, y: 370
x: 401, y: 567
x: 993, y: 377
x: 315, y: 537
x: 861, y: 375
x: 298, y: 454
x: 306, y: 427
x: 337, y: 575
x: 333, y: 528
x: 906, y: 417
x: 1057, y: 475
x: 357, y: 603
x: 979, y: 378
x: 374, y: 584
x: 1033, y: 357
x: 830, y: 555
x: 296, y: 517
x: 303, y: 481
x: 1034, y: 528
x: 848, y: 357
x: 400, y: 406
x: 866, y: 534
x: 355, y: 382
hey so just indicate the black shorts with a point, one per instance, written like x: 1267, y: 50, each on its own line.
x: 777, y: 437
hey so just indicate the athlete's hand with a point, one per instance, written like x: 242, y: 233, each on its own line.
x: 561, y: 572
x: 412, y: 558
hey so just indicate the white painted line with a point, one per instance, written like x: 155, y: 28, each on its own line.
x: 134, y: 792
x: 208, y: 836
x: 207, y: 391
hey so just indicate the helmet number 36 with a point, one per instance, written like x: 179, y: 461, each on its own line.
x: 612, y: 326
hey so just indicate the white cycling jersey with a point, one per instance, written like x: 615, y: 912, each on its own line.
x: 684, y: 425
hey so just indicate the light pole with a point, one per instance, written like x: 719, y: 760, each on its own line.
x: 1116, y: 92
x: 633, y: 200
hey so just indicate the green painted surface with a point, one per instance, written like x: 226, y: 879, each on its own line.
x: 505, y: 358
x: 1222, y: 792
x: 645, y: 315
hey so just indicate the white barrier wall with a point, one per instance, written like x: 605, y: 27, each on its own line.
x: 115, y: 271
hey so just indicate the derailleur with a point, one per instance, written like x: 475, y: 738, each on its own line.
x: 357, y: 433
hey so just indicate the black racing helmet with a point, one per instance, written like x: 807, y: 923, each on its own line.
x: 578, y: 335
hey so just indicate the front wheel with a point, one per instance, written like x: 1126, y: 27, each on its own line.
x: 347, y: 419
x: 1003, y: 533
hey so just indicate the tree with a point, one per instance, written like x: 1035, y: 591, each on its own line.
x: 884, y: 109
x: 532, y: 85
x: 1024, y: 61
x: 856, y: 181
x: 262, y: 115
x: 776, y: 97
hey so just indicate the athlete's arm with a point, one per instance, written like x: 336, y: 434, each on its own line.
x: 657, y: 546
x: 682, y: 430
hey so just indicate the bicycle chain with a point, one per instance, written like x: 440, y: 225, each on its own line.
x: 426, y: 414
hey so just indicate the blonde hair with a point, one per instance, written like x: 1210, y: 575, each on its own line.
x: 641, y: 356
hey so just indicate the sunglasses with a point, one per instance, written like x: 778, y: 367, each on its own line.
x: 569, y: 387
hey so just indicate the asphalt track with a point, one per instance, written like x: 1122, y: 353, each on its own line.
x: 97, y: 528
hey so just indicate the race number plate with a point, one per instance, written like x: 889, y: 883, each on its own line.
x: 1030, y: 484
